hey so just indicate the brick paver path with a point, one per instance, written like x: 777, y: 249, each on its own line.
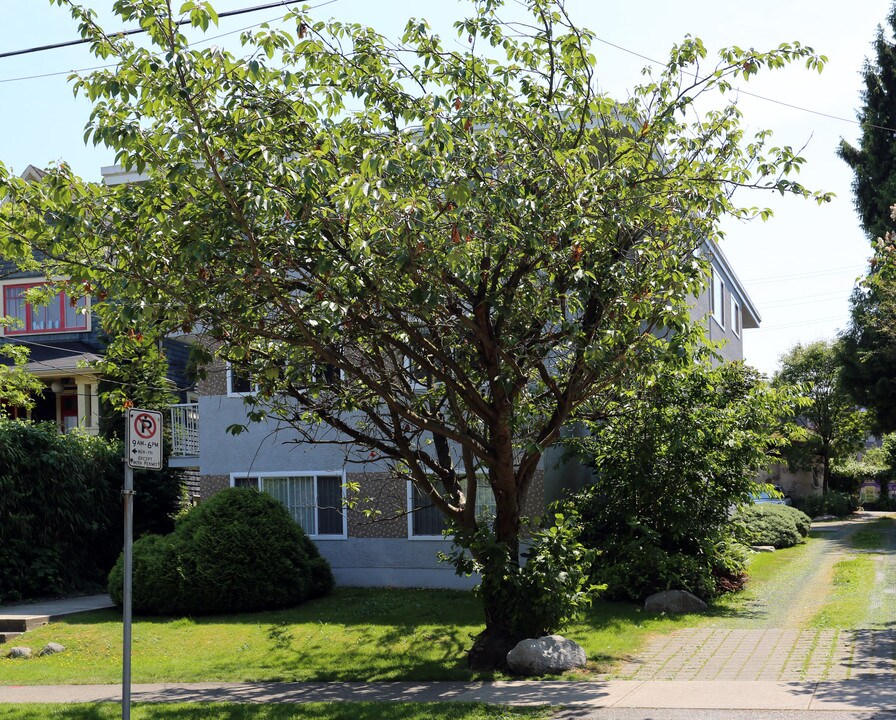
x: 772, y: 640
x: 765, y: 654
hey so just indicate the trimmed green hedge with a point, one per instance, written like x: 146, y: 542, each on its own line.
x: 236, y: 552
x: 59, y: 503
x: 767, y: 524
x: 60, y: 508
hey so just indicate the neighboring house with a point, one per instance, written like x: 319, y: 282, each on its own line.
x: 65, y: 342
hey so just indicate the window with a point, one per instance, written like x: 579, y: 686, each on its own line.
x: 735, y: 318
x: 313, y: 499
x: 718, y: 298
x: 239, y: 383
x: 58, y: 315
x: 426, y: 520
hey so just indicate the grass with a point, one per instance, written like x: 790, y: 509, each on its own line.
x: 874, y: 537
x: 847, y: 604
x: 377, y: 634
x: 363, y: 634
x: 310, y: 711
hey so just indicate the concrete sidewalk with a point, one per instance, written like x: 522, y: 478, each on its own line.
x: 54, y: 609
x: 17, y: 619
x: 850, y: 695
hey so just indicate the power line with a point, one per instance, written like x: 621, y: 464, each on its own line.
x: 755, y: 95
x: 133, y: 31
x: 137, y: 31
x: 798, y: 276
x: 201, y: 41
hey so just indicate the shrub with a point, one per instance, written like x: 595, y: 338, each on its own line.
x: 59, y: 509
x: 766, y: 524
x: 155, y: 581
x: 669, y: 463
x: 832, y: 503
x: 551, y: 587
x: 236, y: 552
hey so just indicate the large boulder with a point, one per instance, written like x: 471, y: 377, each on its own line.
x: 547, y: 655
x: 674, y: 602
x: 23, y: 653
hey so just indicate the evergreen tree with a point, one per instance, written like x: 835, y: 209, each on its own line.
x: 874, y: 160
x: 867, y: 352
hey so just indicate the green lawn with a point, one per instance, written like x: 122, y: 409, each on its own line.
x: 363, y: 634
x: 311, y: 711
x: 356, y: 634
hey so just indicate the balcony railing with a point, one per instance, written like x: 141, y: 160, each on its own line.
x: 185, y: 430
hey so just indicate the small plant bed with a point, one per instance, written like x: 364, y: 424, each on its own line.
x: 310, y: 711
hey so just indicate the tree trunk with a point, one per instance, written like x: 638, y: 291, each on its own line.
x: 499, y: 595
x: 826, y: 474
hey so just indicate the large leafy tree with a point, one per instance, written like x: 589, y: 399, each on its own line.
x: 868, y: 349
x: 469, y: 232
x: 832, y: 425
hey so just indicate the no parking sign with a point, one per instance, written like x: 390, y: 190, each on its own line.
x: 144, y: 441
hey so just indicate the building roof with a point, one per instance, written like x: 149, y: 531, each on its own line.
x: 48, y: 358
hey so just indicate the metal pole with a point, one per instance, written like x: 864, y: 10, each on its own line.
x: 128, y: 495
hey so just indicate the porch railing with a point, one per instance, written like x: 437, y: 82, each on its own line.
x: 185, y: 430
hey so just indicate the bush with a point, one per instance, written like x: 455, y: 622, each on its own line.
x: 669, y: 463
x: 59, y: 509
x: 155, y: 579
x: 833, y: 503
x: 236, y: 552
x: 767, y: 524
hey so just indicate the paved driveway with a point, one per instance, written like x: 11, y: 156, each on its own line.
x: 770, y: 640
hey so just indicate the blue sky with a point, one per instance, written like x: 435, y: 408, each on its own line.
x: 798, y: 268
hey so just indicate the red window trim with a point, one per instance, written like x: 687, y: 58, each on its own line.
x: 28, y: 329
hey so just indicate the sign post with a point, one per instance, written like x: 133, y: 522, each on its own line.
x: 142, y: 449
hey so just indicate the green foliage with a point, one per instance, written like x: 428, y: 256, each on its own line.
x: 831, y: 425
x: 476, y: 216
x: 59, y: 505
x: 669, y: 463
x: 767, y: 524
x: 550, y: 588
x: 17, y: 386
x: 156, y: 584
x: 135, y: 368
x: 240, y: 550
x: 872, y: 162
x: 833, y: 503
x: 868, y: 349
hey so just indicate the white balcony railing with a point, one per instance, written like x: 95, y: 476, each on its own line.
x: 185, y: 430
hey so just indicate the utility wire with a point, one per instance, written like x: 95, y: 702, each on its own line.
x: 53, y: 46
x: 755, y: 95
x: 136, y: 31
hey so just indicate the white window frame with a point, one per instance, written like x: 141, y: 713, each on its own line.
x: 736, y: 321
x: 314, y: 474
x: 29, y: 283
x: 717, y: 299
x: 480, y: 507
x: 233, y: 393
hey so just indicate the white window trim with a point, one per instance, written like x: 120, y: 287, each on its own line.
x: 410, y: 507
x: 40, y: 281
x: 736, y: 320
x: 718, y: 313
x: 234, y: 394
x: 300, y: 474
